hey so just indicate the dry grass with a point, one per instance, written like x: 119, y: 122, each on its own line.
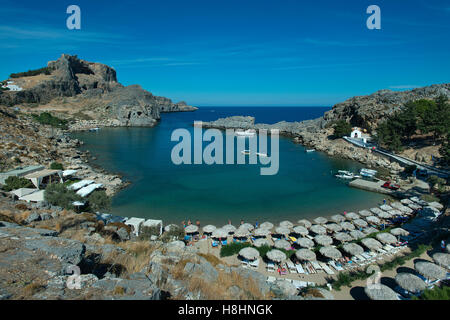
x: 177, y: 271
x: 313, y: 293
x: 119, y: 290
x: 211, y: 258
x: 34, y: 287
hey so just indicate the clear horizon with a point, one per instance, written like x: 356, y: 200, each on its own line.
x: 257, y: 53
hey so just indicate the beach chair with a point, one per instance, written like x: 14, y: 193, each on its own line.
x: 316, y: 266
x: 271, y: 279
x: 224, y: 242
x: 214, y: 243
x: 367, y: 256
x: 326, y: 268
x: 270, y: 267
x: 254, y: 264
x: 299, y: 268
x: 291, y: 267
x: 305, y: 268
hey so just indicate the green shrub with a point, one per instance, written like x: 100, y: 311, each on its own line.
x: 342, y: 128
x: 58, y: 195
x: 13, y: 183
x: 233, y: 248
x: 99, y: 200
x: 436, y: 293
x: 47, y: 119
x: 176, y: 232
x: 56, y: 166
x: 31, y: 73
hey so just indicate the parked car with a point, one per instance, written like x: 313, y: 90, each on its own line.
x: 390, y: 185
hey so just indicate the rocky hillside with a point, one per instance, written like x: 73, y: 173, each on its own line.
x: 88, y: 91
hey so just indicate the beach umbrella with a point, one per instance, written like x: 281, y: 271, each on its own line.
x: 343, y: 237
x: 305, y: 223
x: 323, y: 240
x: 365, y: 213
x: 442, y: 259
x: 318, y: 229
x: 249, y: 253
x: 373, y: 219
x: 242, y: 232
x: 380, y: 292
x: 376, y: 210
x: 191, y: 228
x: 352, y: 216
x: 397, y: 205
x: 282, y: 244
x: 386, y: 238
x: 395, y: 212
x: 369, y: 230
x: 229, y: 228
x: 305, y: 255
x: 219, y: 233
x: 356, y: 234
x: 286, y: 224
x: 371, y: 243
x: 209, y: 228
x: 305, y: 242
x: 410, y: 282
x: 399, y: 232
x: 430, y: 270
x: 261, y: 242
x: 330, y: 252
x: 301, y: 230
x: 247, y: 226
x: 320, y: 220
x: 338, y: 218
x: 347, y: 226
x: 406, y: 201
x: 385, y: 207
x: 384, y: 215
x: 266, y: 225
x: 282, y: 230
x: 333, y: 227
x: 261, y: 232
x: 414, y: 206
x: 276, y: 255
x: 353, y: 249
x: 360, y: 223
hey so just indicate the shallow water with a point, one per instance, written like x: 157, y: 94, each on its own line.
x: 305, y: 185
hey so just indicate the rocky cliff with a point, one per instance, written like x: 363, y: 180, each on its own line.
x: 75, y: 86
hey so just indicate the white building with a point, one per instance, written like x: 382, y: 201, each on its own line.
x: 356, y: 133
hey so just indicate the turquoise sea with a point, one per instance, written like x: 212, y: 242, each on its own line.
x: 304, y: 187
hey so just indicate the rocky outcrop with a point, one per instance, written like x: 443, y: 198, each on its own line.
x: 93, y: 87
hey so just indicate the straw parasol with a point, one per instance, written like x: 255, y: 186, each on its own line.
x: 386, y: 238
x: 305, y: 242
x: 365, y: 213
x: 261, y: 242
x: 371, y: 243
x: 380, y: 292
x: 242, y: 232
x: 397, y: 205
x: 323, y: 240
x: 442, y: 259
x: 282, y: 230
x: 385, y: 207
x: 261, y: 232
x: 353, y: 249
x: 219, y: 233
x: 376, y: 210
x: 406, y: 201
x: 266, y: 225
x: 356, y: 234
x: 352, y: 216
x: 229, y: 228
x: 410, y: 282
x: 333, y: 227
x: 318, y: 229
x: 347, y: 226
x: 395, y: 212
x: 249, y: 253
x: 399, y: 232
x: 305, y: 223
x: 343, y: 237
x: 305, y: 254
x: 414, y: 206
x: 282, y: 244
x: 286, y: 224
x: 338, y: 218
x: 247, y: 226
x: 384, y: 215
x: 330, y: 252
x: 370, y: 230
x: 192, y: 228
x: 320, y: 220
x: 360, y: 223
x: 373, y: 219
x: 301, y: 230
x: 276, y: 255
x: 209, y: 228
x: 430, y: 270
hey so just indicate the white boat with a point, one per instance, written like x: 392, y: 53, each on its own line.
x: 246, y: 133
x: 367, y: 173
x: 343, y: 174
x: 246, y: 152
x: 264, y: 155
x: 94, y: 129
x: 310, y: 150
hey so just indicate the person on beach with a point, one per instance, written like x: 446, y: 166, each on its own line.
x: 183, y: 223
x: 345, y: 212
x: 242, y: 222
x: 189, y: 222
x: 384, y: 201
x: 229, y: 221
x: 443, y: 245
x: 256, y: 224
x: 197, y: 223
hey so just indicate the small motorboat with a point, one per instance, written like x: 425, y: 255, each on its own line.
x: 94, y: 129
x: 246, y: 152
x: 246, y: 133
x: 347, y: 175
x: 264, y: 155
x: 310, y: 150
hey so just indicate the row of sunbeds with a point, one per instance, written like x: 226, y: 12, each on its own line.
x: 297, y: 283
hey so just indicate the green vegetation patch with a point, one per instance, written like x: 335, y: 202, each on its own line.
x: 47, y: 118
x: 30, y: 73
x: 13, y: 183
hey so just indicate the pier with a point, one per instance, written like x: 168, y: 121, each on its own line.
x: 374, y: 186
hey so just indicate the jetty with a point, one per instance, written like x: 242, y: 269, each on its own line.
x: 374, y: 186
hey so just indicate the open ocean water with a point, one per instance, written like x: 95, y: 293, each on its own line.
x: 305, y: 186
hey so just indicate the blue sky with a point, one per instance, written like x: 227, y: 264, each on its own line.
x: 243, y: 52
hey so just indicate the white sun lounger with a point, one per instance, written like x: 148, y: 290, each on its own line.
x: 316, y: 265
x: 270, y: 267
x: 336, y: 267
x: 254, y: 264
x: 299, y: 268
x: 361, y: 258
x: 382, y: 251
x: 326, y: 268
x: 271, y: 279
x: 291, y: 266
x: 366, y: 255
